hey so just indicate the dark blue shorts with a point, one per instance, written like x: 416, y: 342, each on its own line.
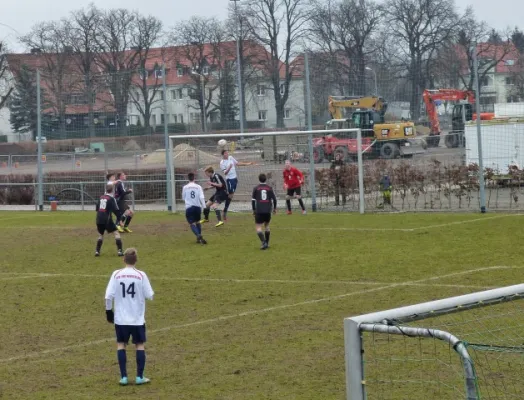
x: 193, y: 214
x: 124, y: 332
x: 232, y: 185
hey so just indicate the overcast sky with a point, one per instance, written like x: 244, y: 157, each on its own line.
x: 22, y: 14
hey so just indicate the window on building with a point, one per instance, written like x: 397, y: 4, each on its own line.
x: 510, y: 80
x: 163, y: 118
x: 158, y: 73
x: 214, y: 116
x: 287, y: 113
x: 180, y: 71
x: 181, y: 118
x: 509, y: 63
x: 261, y: 90
x: 195, y: 117
x: 143, y: 74
x: 175, y: 118
x: 282, y: 88
x: 484, y: 81
x: 262, y: 115
x: 153, y: 120
x: 205, y: 70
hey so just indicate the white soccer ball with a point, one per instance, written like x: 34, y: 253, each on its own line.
x: 222, y: 142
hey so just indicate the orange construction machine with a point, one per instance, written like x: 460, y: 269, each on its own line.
x: 462, y: 112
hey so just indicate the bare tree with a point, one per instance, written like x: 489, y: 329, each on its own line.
x: 6, y: 87
x: 201, y: 45
x: 82, y: 29
x: 121, y: 41
x: 146, y: 95
x: 279, y: 25
x: 61, y: 82
x: 419, y: 27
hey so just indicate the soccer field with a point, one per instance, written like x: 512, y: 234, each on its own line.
x: 228, y: 321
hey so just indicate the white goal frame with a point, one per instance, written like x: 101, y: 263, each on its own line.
x: 380, y: 322
x: 171, y: 164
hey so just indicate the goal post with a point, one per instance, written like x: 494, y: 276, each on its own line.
x: 261, y: 152
x: 461, y: 347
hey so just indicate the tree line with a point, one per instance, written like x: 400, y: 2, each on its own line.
x: 410, y: 45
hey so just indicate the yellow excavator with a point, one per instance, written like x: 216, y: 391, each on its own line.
x: 379, y: 138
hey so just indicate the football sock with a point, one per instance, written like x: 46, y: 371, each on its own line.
x: 195, y: 230
x: 128, y: 220
x: 199, y: 227
x: 118, y: 244
x: 288, y: 204
x: 261, y: 236
x: 301, y: 204
x: 122, y: 361
x: 99, y: 244
x: 219, y: 216
x: 267, y: 236
x: 206, y: 213
x: 140, y: 363
x: 226, y: 206
x: 123, y: 218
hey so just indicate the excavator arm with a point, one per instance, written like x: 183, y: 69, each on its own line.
x: 430, y: 96
x: 337, y: 104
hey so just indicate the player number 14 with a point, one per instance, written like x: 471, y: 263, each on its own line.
x: 130, y: 290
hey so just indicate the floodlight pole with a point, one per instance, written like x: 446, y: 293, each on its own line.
x: 239, y: 70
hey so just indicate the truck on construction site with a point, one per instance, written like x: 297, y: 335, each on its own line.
x: 379, y: 138
x: 502, y: 142
x: 463, y: 111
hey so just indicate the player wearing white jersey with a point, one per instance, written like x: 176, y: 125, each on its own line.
x: 195, y: 201
x: 228, y: 166
x: 129, y: 288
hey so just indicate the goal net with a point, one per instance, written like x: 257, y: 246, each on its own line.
x: 467, y: 347
x: 264, y: 152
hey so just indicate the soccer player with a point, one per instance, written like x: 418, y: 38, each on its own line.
x: 193, y: 196
x: 215, y: 181
x: 228, y: 166
x: 110, y: 178
x: 105, y: 207
x: 263, y: 200
x: 126, y: 214
x: 129, y: 288
x: 293, y: 181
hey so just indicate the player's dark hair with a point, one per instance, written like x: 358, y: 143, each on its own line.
x: 191, y: 177
x: 130, y: 256
x: 224, y: 151
x: 109, y: 188
x: 109, y: 176
x: 262, y: 178
x: 119, y: 175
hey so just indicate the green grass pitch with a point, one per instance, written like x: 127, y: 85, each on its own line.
x: 228, y: 321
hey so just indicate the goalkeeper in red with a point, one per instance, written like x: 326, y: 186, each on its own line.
x: 293, y: 181
x: 263, y: 202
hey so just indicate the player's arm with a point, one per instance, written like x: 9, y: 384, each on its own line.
x: 254, y: 199
x: 114, y: 207
x: 97, y: 207
x: 300, y: 175
x: 242, y: 163
x: 146, y: 286
x: 202, y: 198
x: 273, y: 199
x: 110, y: 295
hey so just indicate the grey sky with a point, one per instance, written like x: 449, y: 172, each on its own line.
x: 22, y: 14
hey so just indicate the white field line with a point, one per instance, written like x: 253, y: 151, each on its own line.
x: 398, y: 229
x: 31, y: 275
x: 250, y: 312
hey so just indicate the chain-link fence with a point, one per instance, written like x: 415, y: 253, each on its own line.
x: 420, y: 140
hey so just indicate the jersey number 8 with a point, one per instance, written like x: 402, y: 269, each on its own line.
x: 193, y: 194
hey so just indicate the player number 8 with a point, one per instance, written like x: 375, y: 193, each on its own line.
x: 192, y: 194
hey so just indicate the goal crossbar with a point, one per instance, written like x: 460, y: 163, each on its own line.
x: 268, y: 133
x: 388, y: 322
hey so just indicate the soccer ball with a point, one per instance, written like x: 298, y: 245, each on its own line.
x: 222, y: 142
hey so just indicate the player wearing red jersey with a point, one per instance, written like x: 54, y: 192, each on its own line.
x: 293, y: 181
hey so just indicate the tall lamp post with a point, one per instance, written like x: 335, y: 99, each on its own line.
x: 203, y: 94
x: 375, y: 75
x: 239, y: 70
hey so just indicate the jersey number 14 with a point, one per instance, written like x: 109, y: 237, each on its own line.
x: 130, y: 290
